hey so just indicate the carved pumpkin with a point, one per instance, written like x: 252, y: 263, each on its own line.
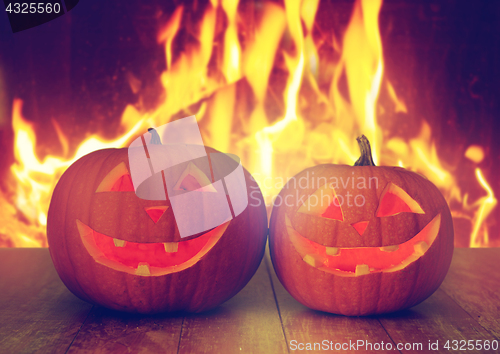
x: 125, y: 253
x: 360, y: 240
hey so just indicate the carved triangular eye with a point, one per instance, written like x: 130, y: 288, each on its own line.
x: 333, y: 211
x: 156, y: 212
x: 323, y: 202
x: 193, y: 179
x: 394, y: 200
x: 123, y: 184
x: 117, y: 180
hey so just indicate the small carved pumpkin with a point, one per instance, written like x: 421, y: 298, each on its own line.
x: 125, y: 253
x: 360, y: 240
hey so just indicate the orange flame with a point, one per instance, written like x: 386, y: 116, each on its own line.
x: 485, y: 206
x: 284, y: 129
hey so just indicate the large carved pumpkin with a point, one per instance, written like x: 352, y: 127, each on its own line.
x: 360, y: 240
x: 123, y: 252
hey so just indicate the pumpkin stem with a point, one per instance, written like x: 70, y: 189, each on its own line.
x: 366, y: 152
x: 155, y: 138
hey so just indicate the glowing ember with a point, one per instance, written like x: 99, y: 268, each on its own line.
x: 274, y: 62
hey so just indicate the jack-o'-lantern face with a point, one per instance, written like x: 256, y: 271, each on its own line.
x: 124, y: 250
x: 356, y: 261
x: 360, y: 240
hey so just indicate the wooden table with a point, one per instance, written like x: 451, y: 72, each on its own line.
x: 38, y: 314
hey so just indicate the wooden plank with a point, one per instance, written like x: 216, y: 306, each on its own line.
x: 37, y: 312
x: 247, y: 323
x: 108, y: 331
x: 473, y: 282
x: 303, y: 325
x: 435, y: 321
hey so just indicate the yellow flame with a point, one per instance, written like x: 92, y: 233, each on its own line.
x: 486, y: 205
x: 168, y: 33
x: 261, y: 88
x: 362, y: 63
x: 399, y: 105
x: 287, y: 133
x: 232, y: 50
x: 259, y: 59
x: 475, y: 153
x: 186, y: 82
x: 36, y: 179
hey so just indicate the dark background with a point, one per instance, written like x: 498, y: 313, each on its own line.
x: 442, y: 57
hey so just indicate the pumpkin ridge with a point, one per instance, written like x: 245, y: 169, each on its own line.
x: 67, y: 175
x: 229, y: 264
x: 303, y: 272
x: 85, y: 163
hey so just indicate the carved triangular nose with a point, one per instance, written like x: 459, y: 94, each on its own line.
x: 360, y: 227
x: 156, y: 212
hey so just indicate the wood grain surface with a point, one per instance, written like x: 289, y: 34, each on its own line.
x: 39, y: 315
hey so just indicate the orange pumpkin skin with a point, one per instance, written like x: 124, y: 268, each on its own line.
x: 378, y: 291
x: 215, y: 277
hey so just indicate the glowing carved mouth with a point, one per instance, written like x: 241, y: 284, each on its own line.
x: 358, y: 261
x: 147, y: 259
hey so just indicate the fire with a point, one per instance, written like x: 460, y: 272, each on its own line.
x: 263, y: 89
x: 362, y: 63
x: 26, y: 219
x: 485, y: 206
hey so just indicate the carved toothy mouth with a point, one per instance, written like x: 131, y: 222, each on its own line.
x: 147, y: 259
x: 356, y: 261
